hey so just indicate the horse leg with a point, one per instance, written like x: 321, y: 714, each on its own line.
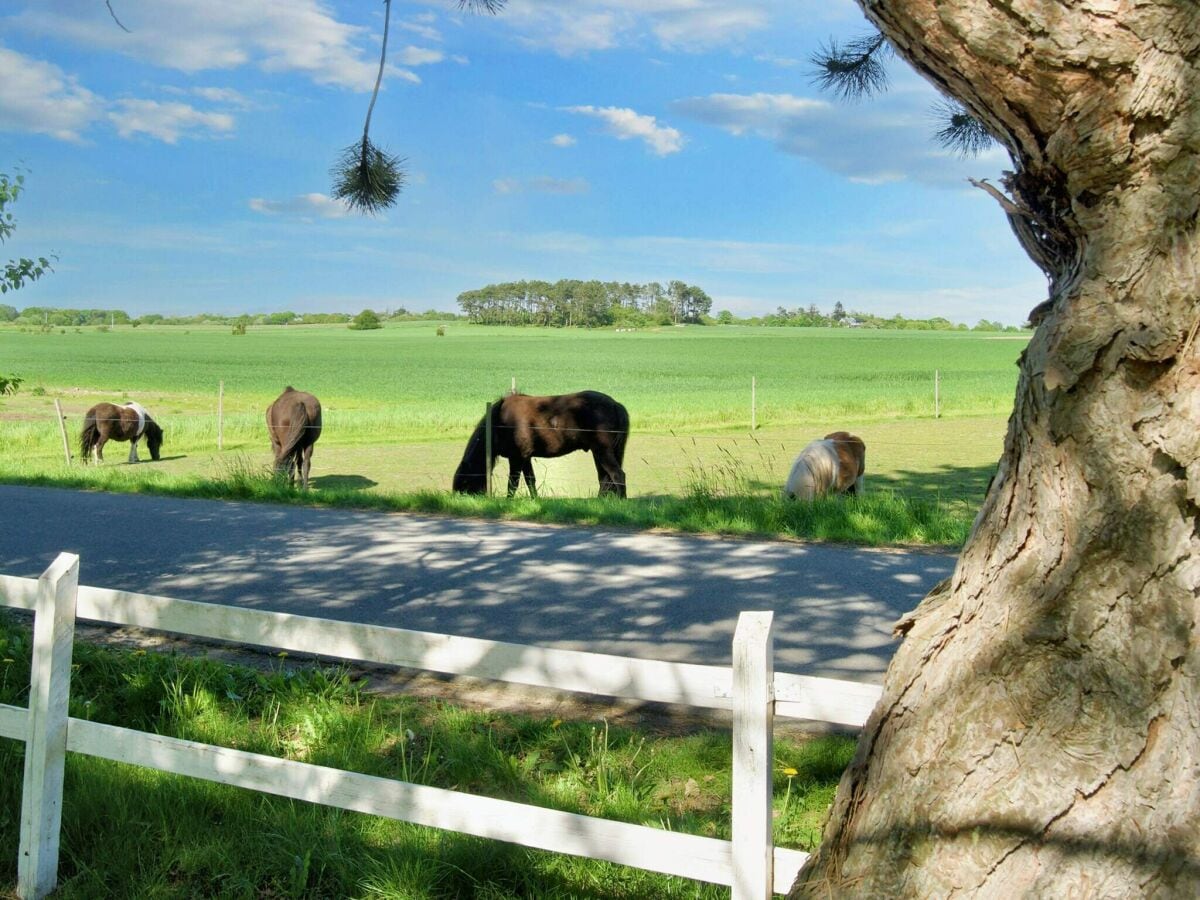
x: 514, y: 475
x: 530, y: 478
x: 133, y: 457
x: 307, y: 465
x: 609, y: 472
x: 98, y: 449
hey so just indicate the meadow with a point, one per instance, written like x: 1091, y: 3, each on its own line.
x: 400, y: 402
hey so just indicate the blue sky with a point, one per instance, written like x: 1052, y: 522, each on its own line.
x: 183, y: 167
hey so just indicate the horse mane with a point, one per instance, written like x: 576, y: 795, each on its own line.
x: 814, y: 472
x: 474, y: 458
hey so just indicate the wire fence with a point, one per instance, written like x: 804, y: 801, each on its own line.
x: 657, y: 461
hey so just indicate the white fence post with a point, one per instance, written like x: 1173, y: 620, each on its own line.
x: 46, y: 747
x: 753, y: 755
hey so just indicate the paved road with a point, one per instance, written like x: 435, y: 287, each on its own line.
x: 649, y: 595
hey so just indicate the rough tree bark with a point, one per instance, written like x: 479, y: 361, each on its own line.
x: 1039, y: 731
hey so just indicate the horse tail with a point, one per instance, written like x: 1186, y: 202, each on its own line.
x: 90, y: 436
x: 620, y: 428
x: 294, y: 440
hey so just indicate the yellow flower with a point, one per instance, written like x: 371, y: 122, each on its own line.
x: 7, y: 659
x: 556, y: 723
x: 790, y: 772
x: 282, y: 654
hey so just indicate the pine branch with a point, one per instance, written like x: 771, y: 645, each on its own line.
x: 852, y: 71
x: 482, y: 6
x: 365, y: 177
x: 961, y: 132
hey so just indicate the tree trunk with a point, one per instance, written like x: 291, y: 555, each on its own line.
x: 1039, y: 730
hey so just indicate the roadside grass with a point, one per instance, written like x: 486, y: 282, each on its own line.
x: 880, y: 518
x: 130, y: 832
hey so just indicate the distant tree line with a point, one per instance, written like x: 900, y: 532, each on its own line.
x: 44, y: 316
x: 812, y: 317
x: 586, y: 304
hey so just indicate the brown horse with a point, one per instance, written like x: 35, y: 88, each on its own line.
x: 106, y: 422
x: 523, y: 427
x: 294, y: 423
x: 832, y: 465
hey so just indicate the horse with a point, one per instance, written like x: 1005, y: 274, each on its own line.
x: 294, y: 424
x: 833, y: 465
x: 108, y: 422
x: 523, y: 427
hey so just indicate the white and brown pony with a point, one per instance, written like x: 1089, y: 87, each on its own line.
x: 833, y: 465
x: 294, y: 423
x: 106, y: 422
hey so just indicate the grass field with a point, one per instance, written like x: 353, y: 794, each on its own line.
x: 400, y: 402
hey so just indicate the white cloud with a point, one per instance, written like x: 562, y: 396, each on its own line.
x: 304, y: 206
x: 422, y: 26
x: 222, y: 95
x: 541, y: 184
x: 301, y: 36
x: 887, y: 140
x: 165, y: 121
x: 563, y: 140
x: 582, y: 26
x: 624, y: 123
x: 701, y: 25
x: 419, y: 56
x: 39, y: 97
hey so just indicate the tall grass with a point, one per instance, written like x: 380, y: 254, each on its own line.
x: 129, y: 832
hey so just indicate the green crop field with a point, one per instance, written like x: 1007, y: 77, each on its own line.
x: 400, y: 402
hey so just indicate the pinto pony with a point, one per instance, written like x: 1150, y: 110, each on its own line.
x: 294, y: 424
x: 523, y: 427
x: 833, y: 465
x: 106, y: 422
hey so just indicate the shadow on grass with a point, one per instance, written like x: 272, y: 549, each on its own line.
x: 945, y: 483
x: 342, y: 482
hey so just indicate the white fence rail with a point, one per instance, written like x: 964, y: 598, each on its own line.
x: 749, y: 863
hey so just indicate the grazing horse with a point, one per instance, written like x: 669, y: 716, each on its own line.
x: 832, y: 465
x: 523, y: 427
x: 107, y: 422
x: 294, y: 423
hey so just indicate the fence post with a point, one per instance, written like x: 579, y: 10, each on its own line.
x: 513, y: 389
x: 753, y: 755
x: 937, y: 394
x: 220, y: 416
x: 46, y: 745
x: 62, y: 429
x: 487, y: 446
x: 754, y: 403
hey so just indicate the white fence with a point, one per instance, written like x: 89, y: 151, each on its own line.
x: 749, y: 863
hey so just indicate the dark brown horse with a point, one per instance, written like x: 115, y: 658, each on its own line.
x: 294, y: 423
x: 106, y: 422
x: 523, y: 427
